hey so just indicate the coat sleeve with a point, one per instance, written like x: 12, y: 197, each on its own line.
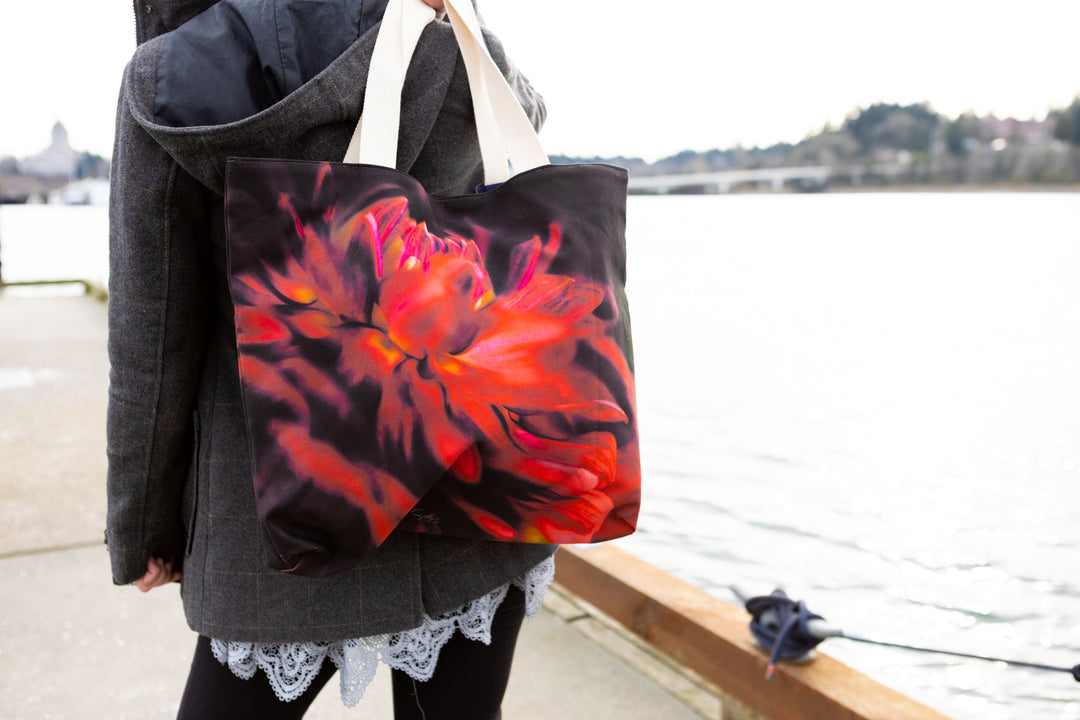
x: 531, y: 101
x: 157, y: 219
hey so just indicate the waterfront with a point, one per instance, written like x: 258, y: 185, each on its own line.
x: 868, y: 399
x: 872, y: 400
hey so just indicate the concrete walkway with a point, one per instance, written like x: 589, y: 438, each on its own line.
x: 74, y: 646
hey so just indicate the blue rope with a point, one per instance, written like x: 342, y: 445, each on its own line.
x: 783, y: 625
x: 787, y: 632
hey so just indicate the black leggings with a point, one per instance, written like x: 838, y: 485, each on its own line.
x: 469, y: 681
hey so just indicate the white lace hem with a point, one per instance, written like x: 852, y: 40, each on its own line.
x: 291, y: 667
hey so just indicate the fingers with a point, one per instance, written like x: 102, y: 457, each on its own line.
x: 438, y: 5
x: 151, y: 579
x: 158, y: 572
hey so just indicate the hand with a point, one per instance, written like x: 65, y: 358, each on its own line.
x: 158, y: 572
x: 437, y: 5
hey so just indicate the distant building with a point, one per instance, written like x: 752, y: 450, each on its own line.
x: 1029, y: 132
x: 59, y: 160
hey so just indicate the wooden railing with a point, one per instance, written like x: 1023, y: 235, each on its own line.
x: 712, y: 638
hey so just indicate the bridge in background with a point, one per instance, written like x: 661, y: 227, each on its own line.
x: 810, y: 177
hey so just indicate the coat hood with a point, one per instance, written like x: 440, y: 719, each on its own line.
x: 315, y: 121
x: 241, y: 56
x: 306, y: 104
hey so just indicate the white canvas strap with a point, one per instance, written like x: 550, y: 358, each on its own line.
x: 503, y: 128
x: 374, y: 141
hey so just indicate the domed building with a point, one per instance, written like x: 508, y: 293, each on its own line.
x: 59, y: 160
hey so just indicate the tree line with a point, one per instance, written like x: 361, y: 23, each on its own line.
x: 908, y: 144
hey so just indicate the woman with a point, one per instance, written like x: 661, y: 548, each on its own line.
x: 274, y: 79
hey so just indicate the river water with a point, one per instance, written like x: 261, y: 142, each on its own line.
x: 870, y: 400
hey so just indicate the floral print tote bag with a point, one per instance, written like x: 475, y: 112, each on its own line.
x: 455, y: 365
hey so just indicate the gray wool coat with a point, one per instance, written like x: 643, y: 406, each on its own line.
x: 179, y: 478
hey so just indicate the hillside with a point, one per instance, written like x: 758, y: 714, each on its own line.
x: 915, y: 143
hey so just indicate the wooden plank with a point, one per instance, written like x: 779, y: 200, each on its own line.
x: 713, y: 638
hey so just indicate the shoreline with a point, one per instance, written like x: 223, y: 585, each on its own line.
x: 1053, y: 188
x: 962, y: 188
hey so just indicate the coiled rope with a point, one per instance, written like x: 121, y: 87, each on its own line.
x: 790, y: 631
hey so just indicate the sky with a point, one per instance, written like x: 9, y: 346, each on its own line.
x: 635, y: 78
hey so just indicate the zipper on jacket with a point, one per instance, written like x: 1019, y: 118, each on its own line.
x: 135, y: 19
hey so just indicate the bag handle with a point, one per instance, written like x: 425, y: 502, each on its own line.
x: 504, y: 130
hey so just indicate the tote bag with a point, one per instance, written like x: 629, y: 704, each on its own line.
x: 452, y: 365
